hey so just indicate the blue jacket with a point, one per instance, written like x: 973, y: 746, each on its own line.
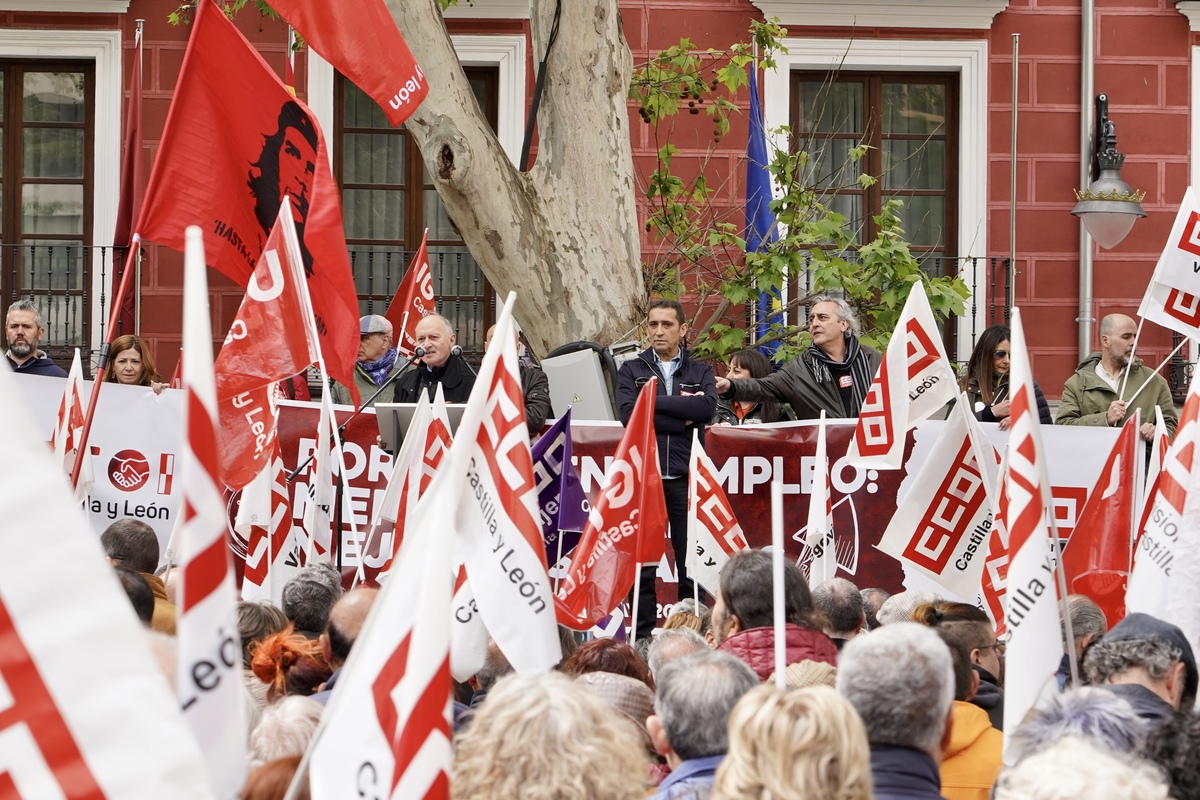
x: 37, y: 364
x: 904, y: 773
x: 692, y: 780
x: 690, y: 406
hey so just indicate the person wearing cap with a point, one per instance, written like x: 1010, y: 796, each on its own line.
x: 376, y: 360
x: 1147, y: 662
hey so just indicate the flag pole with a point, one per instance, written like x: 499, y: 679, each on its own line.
x: 114, y: 314
x: 777, y: 574
x: 1156, y: 369
x: 1136, y: 338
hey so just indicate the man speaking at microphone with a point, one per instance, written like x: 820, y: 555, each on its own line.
x: 442, y: 363
x: 375, y: 364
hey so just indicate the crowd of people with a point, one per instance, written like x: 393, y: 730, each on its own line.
x: 892, y: 697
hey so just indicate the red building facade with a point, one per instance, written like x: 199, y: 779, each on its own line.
x: 930, y: 80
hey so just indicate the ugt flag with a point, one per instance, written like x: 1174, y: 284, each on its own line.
x: 271, y: 339
x: 914, y: 380
x: 235, y: 144
x: 414, y: 300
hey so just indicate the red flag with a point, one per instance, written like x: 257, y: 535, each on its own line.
x: 1096, y: 557
x: 362, y: 42
x: 630, y: 507
x: 414, y: 300
x: 271, y: 338
x: 133, y: 178
x: 234, y: 145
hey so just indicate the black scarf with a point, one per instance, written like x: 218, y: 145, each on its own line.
x: 818, y: 363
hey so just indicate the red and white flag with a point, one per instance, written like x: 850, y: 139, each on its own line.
x: 209, y: 669
x: 264, y: 519
x: 820, y: 547
x: 1035, y: 644
x: 994, y: 586
x: 84, y: 709
x: 362, y: 42
x: 1158, y: 457
x: 272, y: 338
x: 468, y: 634
x: 414, y: 300
x: 714, y: 535
x: 1172, y: 297
x: 914, y: 380
x: 1095, y: 559
x: 318, y: 499
x: 496, y: 515
x: 68, y: 430
x: 234, y: 145
x: 943, y: 527
x: 1156, y: 556
x: 386, y: 730
x: 630, y: 510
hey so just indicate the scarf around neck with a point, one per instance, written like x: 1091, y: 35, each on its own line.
x: 378, y: 370
x: 818, y: 363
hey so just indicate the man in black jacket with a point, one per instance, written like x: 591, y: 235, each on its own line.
x: 685, y: 402
x: 440, y: 364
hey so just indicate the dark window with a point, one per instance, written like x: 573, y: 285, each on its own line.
x: 46, y: 154
x: 910, y: 122
x: 388, y: 201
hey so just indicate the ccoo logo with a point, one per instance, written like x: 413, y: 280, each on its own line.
x: 129, y: 470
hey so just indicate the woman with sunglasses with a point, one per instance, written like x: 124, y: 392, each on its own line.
x: 986, y: 380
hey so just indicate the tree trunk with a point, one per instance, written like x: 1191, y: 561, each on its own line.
x: 565, y: 235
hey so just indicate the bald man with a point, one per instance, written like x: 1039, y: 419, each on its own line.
x: 345, y: 621
x: 1090, y: 396
x: 435, y: 334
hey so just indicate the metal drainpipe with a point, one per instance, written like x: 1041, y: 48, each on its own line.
x: 1087, y: 136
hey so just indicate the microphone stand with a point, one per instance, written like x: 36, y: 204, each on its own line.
x: 396, y: 374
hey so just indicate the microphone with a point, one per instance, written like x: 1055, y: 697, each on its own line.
x: 419, y: 352
x: 456, y: 350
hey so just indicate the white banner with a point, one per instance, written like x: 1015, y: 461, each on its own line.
x: 85, y: 710
x: 714, y: 535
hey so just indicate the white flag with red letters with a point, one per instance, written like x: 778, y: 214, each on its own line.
x: 1158, y: 551
x: 943, y: 527
x: 1035, y: 644
x: 914, y: 380
x: 85, y: 711
x: 714, y: 535
x: 820, y: 544
x: 264, y: 519
x: 1172, y: 297
x: 386, y: 731
x: 68, y: 430
x: 210, y: 663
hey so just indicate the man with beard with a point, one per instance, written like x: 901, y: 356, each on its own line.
x: 1090, y: 395
x: 23, y: 330
x: 831, y: 376
x: 287, y: 166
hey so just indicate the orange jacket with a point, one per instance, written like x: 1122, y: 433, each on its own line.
x: 972, y: 761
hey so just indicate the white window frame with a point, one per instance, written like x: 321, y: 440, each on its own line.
x: 104, y: 48
x: 504, y: 51
x: 967, y: 57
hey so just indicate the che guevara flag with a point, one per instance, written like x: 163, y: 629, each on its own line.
x: 362, y: 42
x: 235, y: 143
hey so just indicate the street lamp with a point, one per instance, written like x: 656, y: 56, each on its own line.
x: 1108, y: 207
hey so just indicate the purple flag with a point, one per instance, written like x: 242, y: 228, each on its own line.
x: 563, y: 505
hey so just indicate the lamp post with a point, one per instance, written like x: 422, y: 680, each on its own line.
x: 1108, y: 207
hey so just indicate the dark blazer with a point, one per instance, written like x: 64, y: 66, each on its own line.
x: 689, y: 407
x: 455, y: 376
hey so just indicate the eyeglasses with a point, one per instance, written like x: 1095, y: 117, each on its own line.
x: 1001, y: 354
x: 1000, y: 647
